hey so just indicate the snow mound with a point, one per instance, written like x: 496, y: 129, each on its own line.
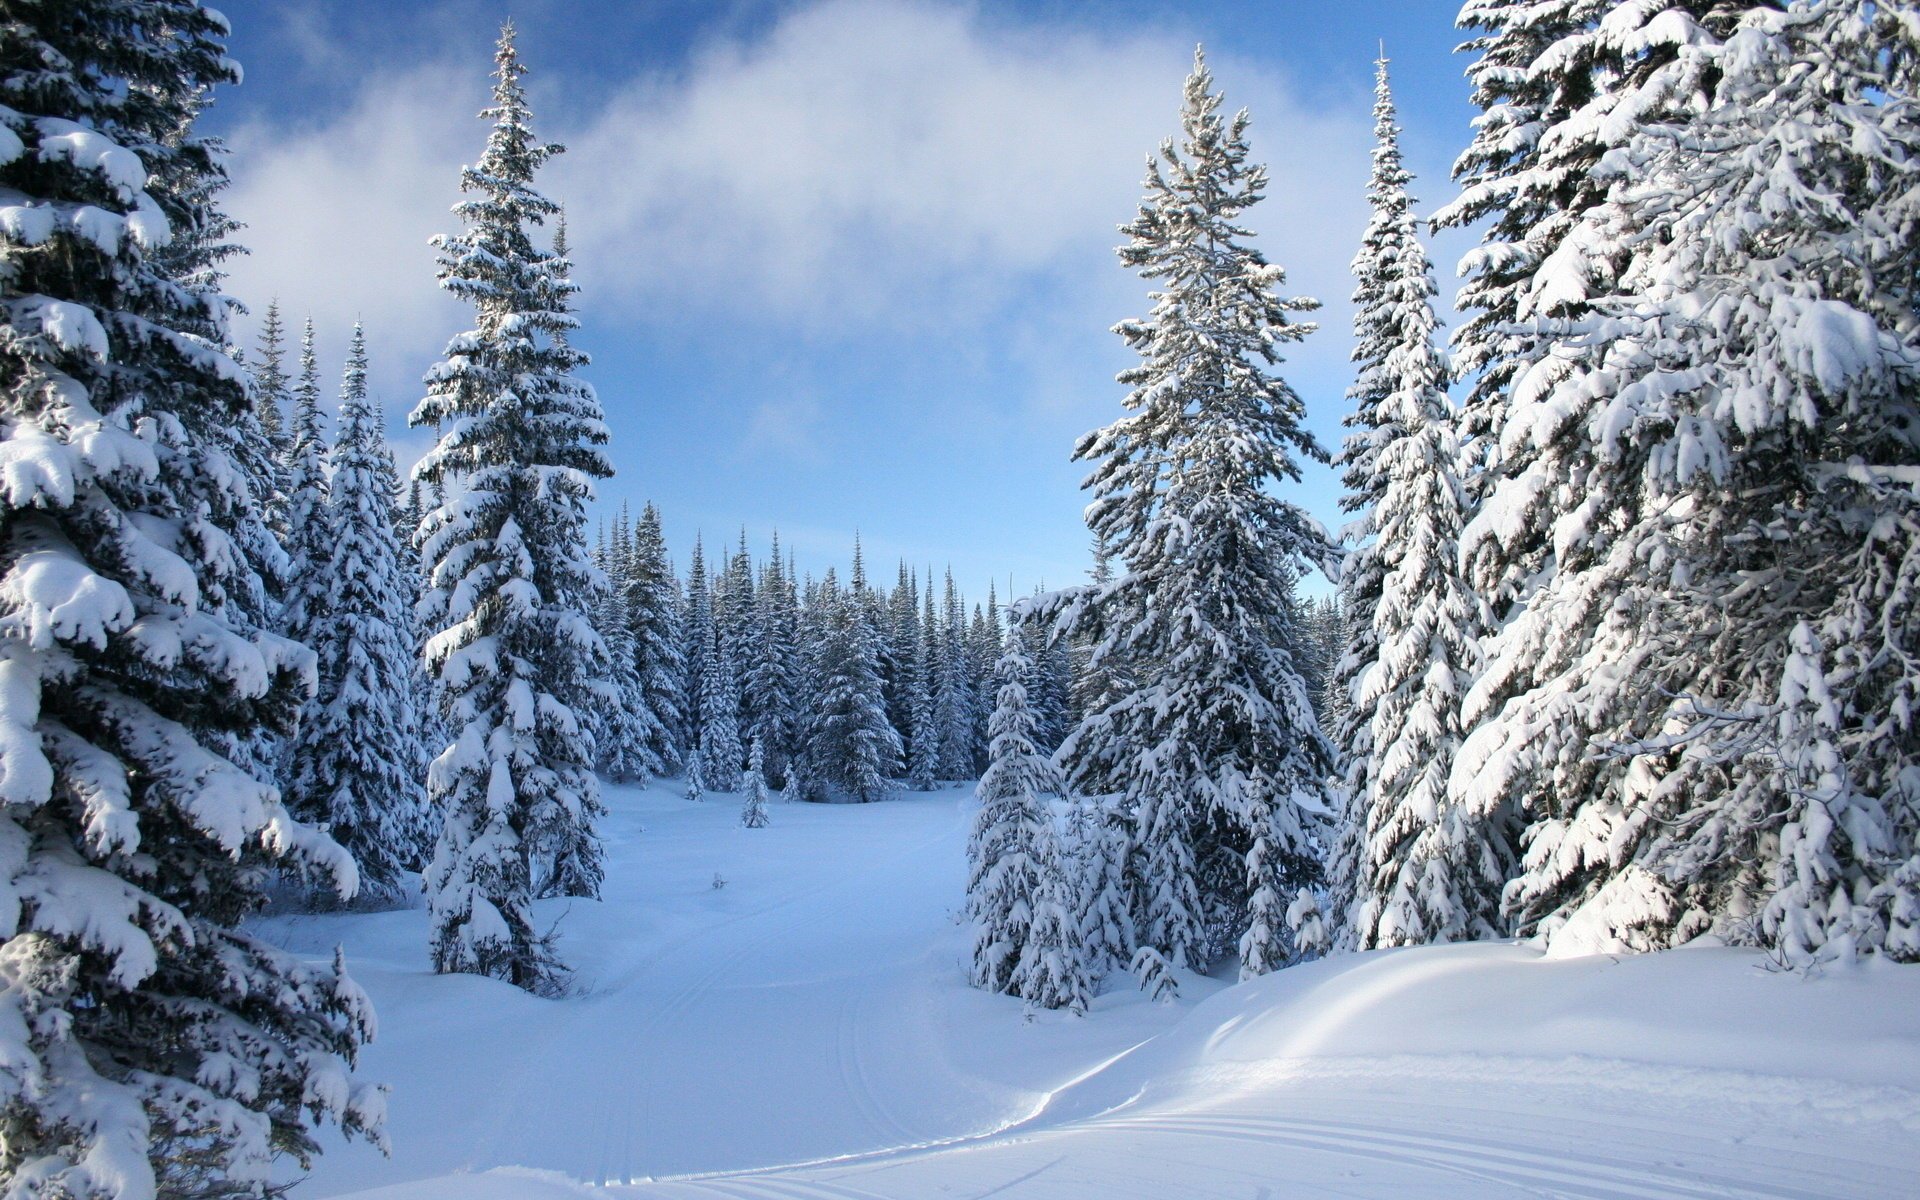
x: 807, y: 1032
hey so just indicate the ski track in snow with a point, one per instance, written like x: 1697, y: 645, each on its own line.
x: 805, y: 1034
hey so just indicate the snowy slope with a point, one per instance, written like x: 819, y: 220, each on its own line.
x: 804, y: 1032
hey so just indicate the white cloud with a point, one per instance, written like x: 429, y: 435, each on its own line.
x: 862, y: 166
x: 904, y: 163
x: 339, y: 215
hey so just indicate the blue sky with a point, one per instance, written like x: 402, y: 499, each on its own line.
x: 847, y: 264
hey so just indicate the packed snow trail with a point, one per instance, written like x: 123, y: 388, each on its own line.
x: 805, y: 1032
x: 814, y: 1005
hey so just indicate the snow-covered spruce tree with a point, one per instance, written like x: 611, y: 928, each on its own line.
x: 509, y: 577
x: 1100, y: 846
x: 1214, y: 749
x: 653, y: 611
x: 1705, y: 711
x: 923, y: 734
x: 753, y: 810
x: 1417, y: 869
x: 696, y: 642
x: 719, y: 721
x: 433, y: 731
x: 737, y: 619
x: 352, y: 766
x: 630, y: 732
x: 1560, y: 83
x: 852, y: 750
x: 193, y: 258
x: 770, y: 672
x: 983, y: 656
x: 308, y: 541
x: 954, y: 692
x: 1100, y: 676
x: 1017, y: 889
x: 1051, y: 681
x: 134, y: 848
x: 271, y: 392
x: 903, y: 646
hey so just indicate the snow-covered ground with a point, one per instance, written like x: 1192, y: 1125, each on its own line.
x: 804, y: 1031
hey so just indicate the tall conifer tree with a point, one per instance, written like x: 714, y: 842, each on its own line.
x: 1416, y: 869
x: 132, y: 655
x: 1703, y: 708
x: 509, y: 579
x: 1026, y: 928
x: 1215, y: 747
x: 354, y: 766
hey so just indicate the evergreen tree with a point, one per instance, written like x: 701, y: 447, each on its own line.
x: 1561, y: 84
x: 923, y: 745
x: 903, y: 650
x: 353, y: 765
x: 309, y: 543
x: 653, y: 613
x: 1214, y: 748
x: 719, y: 721
x: 133, y: 655
x: 851, y: 748
x: 1424, y: 872
x: 737, y: 616
x: 629, y: 731
x: 271, y: 393
x: 510, y: 578
x: 433, y: 732
x: 1100, y: 677
x: 193, y: 258
x: 1703, y: 709
x: 953, y: 700
x: 1025, y: 940
x: 1102, y: 852
x: 1051, y: 682
x: 770, y: 674
x: 753, y: 812
x: 696, y: 643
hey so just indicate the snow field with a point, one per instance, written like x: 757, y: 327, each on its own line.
x: 805, y: 1031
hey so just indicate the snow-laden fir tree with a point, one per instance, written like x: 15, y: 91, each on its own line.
x: 696, y: 643
x: 353, y: 766
x: 270, y: 381
x: 1412, y: 867
x: 770, y: 678
x: 1053, y: 971
x: 852, y: 750
x: 737, y: 619
x: 308, y: 540
x: 1560, y: 83
x: 509, y: 578
x: 1099, y: 847
x: 134, y: 848
x: 272, y: 394
x: 1705, y: 709
x: 954, y: 698
x: 194, y: 258
x: 753, y: 810
x: 1052, y: 680
x: 653, y: 612
x: 902, y: 646
x: 629, y: 732
x: 719, y: 718
x: 1214, y: 749
x: 1026, y: 938
x: 923, y: 733
x: 983, y: 655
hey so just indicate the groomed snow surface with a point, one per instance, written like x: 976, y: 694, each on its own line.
x: 805, y: 1032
